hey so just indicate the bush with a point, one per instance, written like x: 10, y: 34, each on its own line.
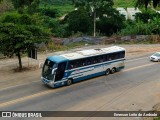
x: 147, y: 16
x: 50, y: 12
x: 10, y: 17
x: 141, y: 28
x: 79, y: 21
x: 57, y: 28
x: 110, y: 26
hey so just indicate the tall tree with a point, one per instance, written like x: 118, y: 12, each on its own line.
x: 141, y: 3
x: 29, y: 5
x: 5, y: 5
x: 19, y: 34
x: 95, y: 7
x: 79, y: 21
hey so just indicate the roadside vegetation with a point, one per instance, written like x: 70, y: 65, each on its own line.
x: 157, y: 118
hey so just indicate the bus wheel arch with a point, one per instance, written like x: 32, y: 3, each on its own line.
x: 107, y: 72
x: 113, y: 70
x: 69, y: 81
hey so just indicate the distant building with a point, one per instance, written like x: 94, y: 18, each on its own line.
x: 123, y: 12
x: 129, y: 13
x: 132, y: 12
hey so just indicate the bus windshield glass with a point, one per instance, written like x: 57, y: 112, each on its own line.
x: 47, y: 69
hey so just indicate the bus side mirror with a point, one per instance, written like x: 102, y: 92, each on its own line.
x: 41, y: 65
x: 53, y: 70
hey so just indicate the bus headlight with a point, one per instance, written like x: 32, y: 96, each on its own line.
x: 51, y: 82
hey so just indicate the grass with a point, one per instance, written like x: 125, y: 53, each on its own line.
x: 63, y: 9
x: 157, y: 118
x: 124, y: 3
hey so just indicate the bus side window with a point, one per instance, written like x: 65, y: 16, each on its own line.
x: 122, y: 54
x: 83, y: 62
x: 116, y: 55
x: 75, y: 63
x: 101, y: 59
x: 98, y: 59
x: 113, y: 56
x: 93, y: 60
x: 104, y: 58
x: 88, y: 61
x: 109, y: 56
x: 70, y: 66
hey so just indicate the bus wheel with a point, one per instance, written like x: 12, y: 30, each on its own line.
x: 107, y: 72
x: 113, y: 70
x: 69, y: 82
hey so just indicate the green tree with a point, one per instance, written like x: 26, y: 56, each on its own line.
x: 79, y: 21
x: 110, y: 23
x: 141, y: 3
x: 105, y: 18
x: 29, y: 6
x: 96, y: 8
x: 5, y: 5
x: 19, y: 34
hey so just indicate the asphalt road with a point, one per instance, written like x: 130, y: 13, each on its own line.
x: 137, y: 87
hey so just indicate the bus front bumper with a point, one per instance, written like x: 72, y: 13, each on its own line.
x: 52, y: 83
x: 47, y: 82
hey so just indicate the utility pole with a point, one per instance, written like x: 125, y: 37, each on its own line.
x: 94, y: 31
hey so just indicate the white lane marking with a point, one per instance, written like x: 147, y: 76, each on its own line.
x: 138, y: 67
x: 18, y: 85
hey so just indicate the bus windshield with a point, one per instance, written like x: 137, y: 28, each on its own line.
x: 47, y: 69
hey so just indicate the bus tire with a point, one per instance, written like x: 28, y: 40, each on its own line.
x: 69, y: 82
x: 107, y: 72
x: 113, y: 70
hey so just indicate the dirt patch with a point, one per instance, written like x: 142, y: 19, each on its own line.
x: 25, y: 69
x: 140, y: 50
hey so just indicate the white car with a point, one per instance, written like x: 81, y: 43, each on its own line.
x: 155, y: 57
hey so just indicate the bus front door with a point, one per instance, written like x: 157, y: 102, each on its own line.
x: 60, y: 71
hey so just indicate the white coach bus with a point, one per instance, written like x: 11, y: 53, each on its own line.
x: 69, y: 68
